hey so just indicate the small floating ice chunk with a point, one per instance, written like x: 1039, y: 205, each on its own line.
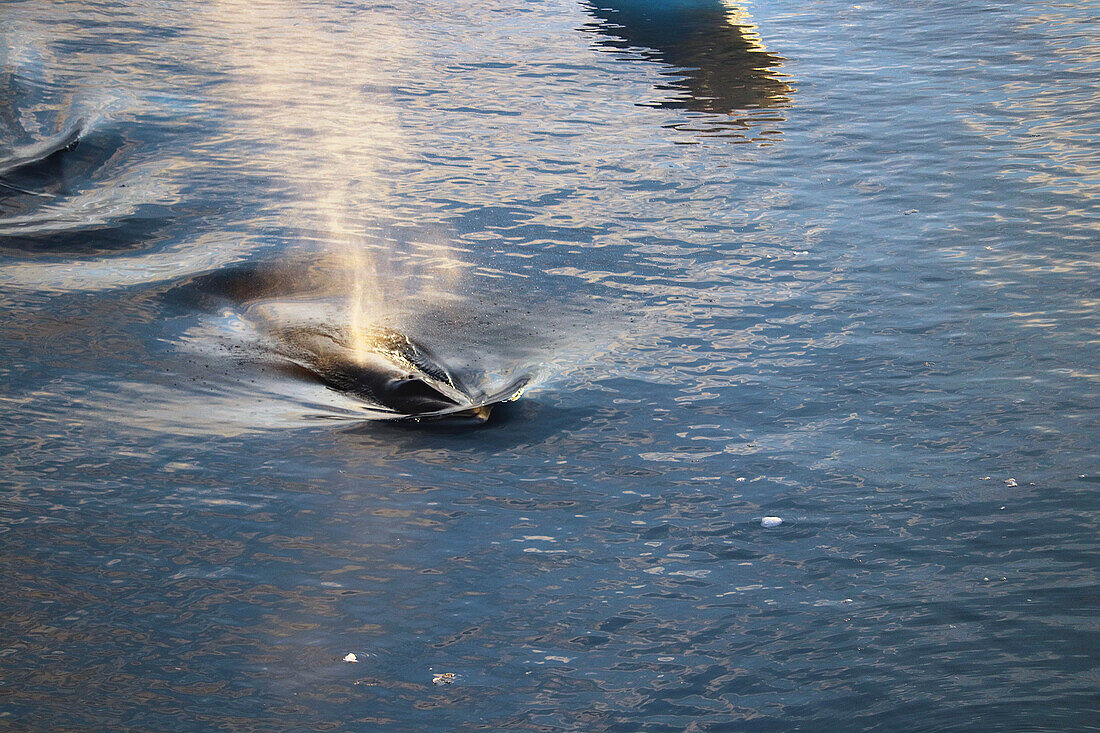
x: 1011, y: 482
x: 770, y: 522
x: 350, y: 658
x: 443, y: 679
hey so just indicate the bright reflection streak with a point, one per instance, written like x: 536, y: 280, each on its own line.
x: 740, y: 18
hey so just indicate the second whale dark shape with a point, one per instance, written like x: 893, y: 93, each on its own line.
x: 26, y: 157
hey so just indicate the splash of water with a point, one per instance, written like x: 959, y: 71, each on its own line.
x: 337, y: 136
x: 364, y: 307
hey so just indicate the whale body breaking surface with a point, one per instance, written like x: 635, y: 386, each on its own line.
x: 396, y: 377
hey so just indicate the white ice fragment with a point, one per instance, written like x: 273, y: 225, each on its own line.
x: 770, y: 522
x: 1011, y: 482
x: 351, y: 658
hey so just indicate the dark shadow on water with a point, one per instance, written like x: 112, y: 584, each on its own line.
x: 149, y: 228
x: 242, y: 283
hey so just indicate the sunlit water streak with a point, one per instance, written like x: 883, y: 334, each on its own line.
x: 828, y: 262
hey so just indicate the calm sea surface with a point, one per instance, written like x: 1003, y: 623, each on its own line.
x: 827, y: 262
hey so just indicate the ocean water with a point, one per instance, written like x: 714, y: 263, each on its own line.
x: 827, y: 262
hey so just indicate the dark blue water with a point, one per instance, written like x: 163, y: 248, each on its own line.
x: 827, y: 262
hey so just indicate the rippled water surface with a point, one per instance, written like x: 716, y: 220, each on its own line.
x: 826, y: 262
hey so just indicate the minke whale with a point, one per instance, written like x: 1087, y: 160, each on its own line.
x: 398, y: 378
